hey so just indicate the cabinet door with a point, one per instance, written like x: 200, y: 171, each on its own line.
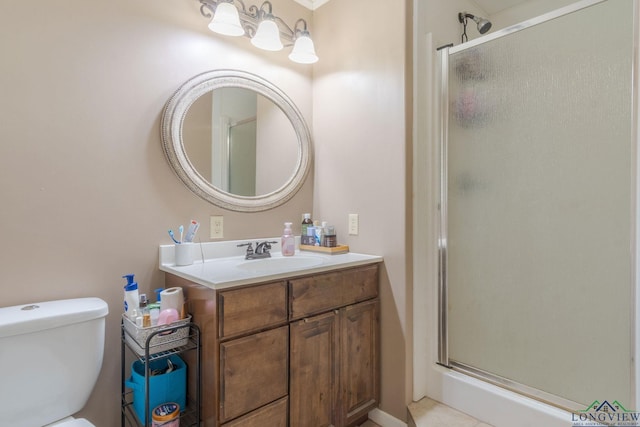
x: 314, y: 371
x: 253, y: 372
x: 359, y: 360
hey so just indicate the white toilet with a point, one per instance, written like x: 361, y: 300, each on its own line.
x: 50, y: 357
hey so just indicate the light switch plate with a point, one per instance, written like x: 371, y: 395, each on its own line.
x: 353, y: 225
x: 216, y: 227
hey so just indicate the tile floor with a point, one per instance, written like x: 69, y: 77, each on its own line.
x: 429, y: 413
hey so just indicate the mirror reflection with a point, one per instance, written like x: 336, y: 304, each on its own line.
x: 240, y: 141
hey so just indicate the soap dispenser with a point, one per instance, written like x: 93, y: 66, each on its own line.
x: 288, y: 243
x: 131, y: 298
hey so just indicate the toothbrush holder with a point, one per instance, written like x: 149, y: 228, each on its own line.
x: 184, y: 253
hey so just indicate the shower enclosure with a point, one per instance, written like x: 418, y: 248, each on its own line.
x: 538, y: 213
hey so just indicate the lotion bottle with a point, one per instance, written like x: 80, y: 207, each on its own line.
x: 288, y: 242
x: 131, y: 298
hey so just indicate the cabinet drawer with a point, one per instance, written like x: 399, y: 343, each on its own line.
x: 254, y: 371
x: 272, y: 415
x: 315, y: 294
x: 360, y: 284
x: 252, y: 309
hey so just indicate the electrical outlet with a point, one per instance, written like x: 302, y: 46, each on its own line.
x: 353, y: 224
x: 216, y: 227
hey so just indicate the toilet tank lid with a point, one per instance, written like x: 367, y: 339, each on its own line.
x: 27, y: 318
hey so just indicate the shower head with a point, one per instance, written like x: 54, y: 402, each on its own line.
x: 483, y: 24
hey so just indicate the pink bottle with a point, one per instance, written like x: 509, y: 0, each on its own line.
x: 288, y: 243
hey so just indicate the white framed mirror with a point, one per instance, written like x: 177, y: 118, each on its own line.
x: 236, y: 140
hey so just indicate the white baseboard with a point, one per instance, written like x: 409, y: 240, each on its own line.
x: 385, y: 420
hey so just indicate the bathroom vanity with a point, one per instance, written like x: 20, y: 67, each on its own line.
x: 292, y: 345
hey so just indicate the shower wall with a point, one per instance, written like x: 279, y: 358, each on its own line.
x: 540, y: 200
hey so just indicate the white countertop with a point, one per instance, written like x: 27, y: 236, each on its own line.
x: 220, y: 265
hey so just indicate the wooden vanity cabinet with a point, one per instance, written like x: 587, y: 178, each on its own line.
x: 337, y: 350
x: 301, y: 352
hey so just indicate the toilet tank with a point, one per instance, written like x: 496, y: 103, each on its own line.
x: 50, y: 357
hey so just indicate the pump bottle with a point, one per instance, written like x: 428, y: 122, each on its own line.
x: 288, y: 242
x: 304, y: 236
x: 131, y: 298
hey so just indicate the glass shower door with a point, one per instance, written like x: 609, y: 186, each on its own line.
x: 538, y: 207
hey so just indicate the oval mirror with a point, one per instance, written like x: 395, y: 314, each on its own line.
x: 236, y: 140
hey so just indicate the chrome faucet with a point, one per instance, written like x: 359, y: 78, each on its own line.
x: 262, y: 250
x: 249, y: 254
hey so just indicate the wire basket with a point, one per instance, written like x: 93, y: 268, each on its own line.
x: 173, y: 336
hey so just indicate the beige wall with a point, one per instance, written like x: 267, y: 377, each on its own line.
x: 359, y: 129
x: 86, y: 194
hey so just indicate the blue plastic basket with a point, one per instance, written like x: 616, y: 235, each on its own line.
x: 163, y: 388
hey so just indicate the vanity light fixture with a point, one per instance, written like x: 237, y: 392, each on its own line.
x: 303, y: 51
x: 267, y: 35
x: 266, y: 30
x: 226, y: 21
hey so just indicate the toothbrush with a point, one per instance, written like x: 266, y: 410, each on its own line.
x: 181, y: 230
x: 172, y: 237
x: 191, y: 233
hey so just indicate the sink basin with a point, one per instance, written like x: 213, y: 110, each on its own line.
x: 280, y: 264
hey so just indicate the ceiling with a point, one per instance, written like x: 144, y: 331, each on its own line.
x: 495, y: 6
x: 489, y: 6
x: 311, y: 4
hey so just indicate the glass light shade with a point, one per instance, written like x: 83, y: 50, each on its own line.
x: 303, y: 51
x: 226, y: 21
x: 267, y: 36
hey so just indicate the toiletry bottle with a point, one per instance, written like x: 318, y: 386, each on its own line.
x: 154, y: 314
x: 306, y: 222
x: 288, y: 243
x: 311, y: 236
x: 317, y: 233
x: 330, y: 238
x: 144, y: 311
x: 152, y: 305
x: 323, y: 232
x: 131, y: 298
x: 154, y: 308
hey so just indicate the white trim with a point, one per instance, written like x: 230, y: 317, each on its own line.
x: 385, y: 420
x: 312, y: 4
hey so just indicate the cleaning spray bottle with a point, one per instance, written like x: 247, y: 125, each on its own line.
x: 131, y: 298
x: 288, y: 243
